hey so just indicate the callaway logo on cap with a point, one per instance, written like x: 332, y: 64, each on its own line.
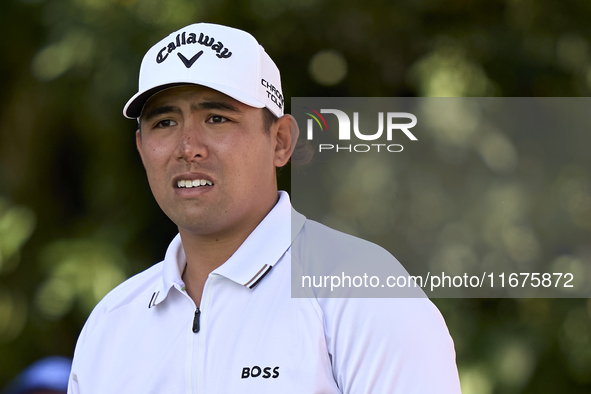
x: 228, y: 60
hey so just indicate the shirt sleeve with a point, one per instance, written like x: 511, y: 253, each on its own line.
x: 389, y: 345
x: 80, y: 354
x: 73, y: 386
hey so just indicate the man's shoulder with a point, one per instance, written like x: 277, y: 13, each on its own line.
x: 334, y: 264
x: 365, y: 319
x: 317, y: 235
x: 317, y: 245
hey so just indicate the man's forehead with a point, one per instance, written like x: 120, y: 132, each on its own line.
x: 194, y: 94
x: 185, y: 91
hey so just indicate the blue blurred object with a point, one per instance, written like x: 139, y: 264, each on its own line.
x: 49, y: 373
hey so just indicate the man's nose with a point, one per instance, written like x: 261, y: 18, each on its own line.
x: 192, y: 145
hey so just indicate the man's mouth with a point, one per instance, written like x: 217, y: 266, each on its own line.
x: 194, y: 183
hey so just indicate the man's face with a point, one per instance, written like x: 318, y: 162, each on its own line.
x: 194, y: 135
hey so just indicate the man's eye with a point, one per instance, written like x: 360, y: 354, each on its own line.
x: 216, y: 119
x: 166, y: 123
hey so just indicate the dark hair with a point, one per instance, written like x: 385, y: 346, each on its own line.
x: 303, y: 152
x: 269, y: 119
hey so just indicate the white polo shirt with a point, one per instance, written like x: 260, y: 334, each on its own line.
x: 251, y: 336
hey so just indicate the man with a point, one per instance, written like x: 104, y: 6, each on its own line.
x: 217, y: 316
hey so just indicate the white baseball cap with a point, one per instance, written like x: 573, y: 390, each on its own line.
x: 228, y: 60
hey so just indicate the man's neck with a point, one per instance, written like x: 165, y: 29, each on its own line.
x: 205, y: 253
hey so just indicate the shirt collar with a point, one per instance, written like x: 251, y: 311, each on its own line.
x: 172, y: 270
x: 263, y: 248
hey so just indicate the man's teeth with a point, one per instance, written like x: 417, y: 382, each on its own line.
x: 194, y: 183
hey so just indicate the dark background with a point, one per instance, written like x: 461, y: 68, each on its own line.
x: 76, y: 213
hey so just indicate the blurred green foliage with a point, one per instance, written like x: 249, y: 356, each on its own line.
x: 76, y: 213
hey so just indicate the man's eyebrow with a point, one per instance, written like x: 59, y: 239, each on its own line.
x: 160, y: 110
x: 215, y: 105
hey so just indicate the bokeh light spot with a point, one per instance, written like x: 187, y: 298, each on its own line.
x: 328, y: 67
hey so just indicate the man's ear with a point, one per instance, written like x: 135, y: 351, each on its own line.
x: 286, y: 136
x: 138, y: 144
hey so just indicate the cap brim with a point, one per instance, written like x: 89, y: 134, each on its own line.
x: 135, y: 105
